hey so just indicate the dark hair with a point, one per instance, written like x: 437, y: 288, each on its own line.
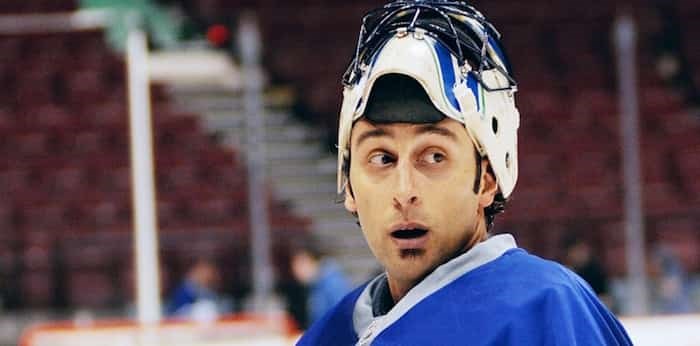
x: 496, y: 207
x: 499, y: 202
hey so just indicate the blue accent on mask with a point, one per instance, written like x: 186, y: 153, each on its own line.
x: 448, y: 73
x: 473, y: 85
x: 359, y: 103
x: 497, y: 48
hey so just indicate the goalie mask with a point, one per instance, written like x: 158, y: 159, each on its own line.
x: 455, y: 55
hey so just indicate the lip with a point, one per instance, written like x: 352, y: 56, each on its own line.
x: 412, y: 243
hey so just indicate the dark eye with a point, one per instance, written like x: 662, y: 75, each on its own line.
x: 433, y: 157
x: 381, y: 159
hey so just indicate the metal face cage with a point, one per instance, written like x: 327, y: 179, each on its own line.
x: 462, y: 29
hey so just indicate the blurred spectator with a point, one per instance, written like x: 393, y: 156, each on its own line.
x: 671, y: 287
x: 296, y: 296
x: 325, y: 281
x: 196, y: 297
x: 579, y: 258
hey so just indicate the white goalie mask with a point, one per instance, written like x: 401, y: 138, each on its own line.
x: 455, y: 55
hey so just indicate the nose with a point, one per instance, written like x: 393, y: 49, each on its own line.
x: 405, y: 194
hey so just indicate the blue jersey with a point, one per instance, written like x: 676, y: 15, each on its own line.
x: 494, y: 294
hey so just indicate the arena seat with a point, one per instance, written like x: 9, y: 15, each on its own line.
x: 67, y: 173
x: 687, y: 162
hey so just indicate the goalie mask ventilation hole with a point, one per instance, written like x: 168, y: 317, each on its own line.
x: 494, y: 125
x: 508, y: 160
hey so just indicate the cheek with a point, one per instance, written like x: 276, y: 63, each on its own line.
x: 458, y: 206
x: 463, y: 216
x: 453, y: 187
x: 370, y: 225
x: 369, y: 195
x: 370, y: 210
x: 456, y: 199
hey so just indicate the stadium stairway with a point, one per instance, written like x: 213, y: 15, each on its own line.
x: 299, y: 170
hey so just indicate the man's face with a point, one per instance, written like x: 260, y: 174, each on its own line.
x: 412, y: 188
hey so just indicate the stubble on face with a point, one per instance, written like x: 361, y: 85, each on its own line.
x: 411, y: 254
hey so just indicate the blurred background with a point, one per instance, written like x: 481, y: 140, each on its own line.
x: 66, y: 200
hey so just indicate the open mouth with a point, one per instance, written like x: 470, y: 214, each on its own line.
x: 409, y: 233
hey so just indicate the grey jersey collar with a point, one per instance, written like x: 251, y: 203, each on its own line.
x: 368, y: 327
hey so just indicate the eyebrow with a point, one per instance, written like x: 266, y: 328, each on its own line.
x: 435, y: 129
x: 423, y: 129
x: 374, y: 133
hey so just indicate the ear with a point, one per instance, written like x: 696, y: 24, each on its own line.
x: 349, y: 200
x: 489, y: 187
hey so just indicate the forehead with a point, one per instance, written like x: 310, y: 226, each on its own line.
x: 447, y: 129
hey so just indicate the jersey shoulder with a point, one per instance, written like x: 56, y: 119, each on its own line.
x: 516, y: 299
x: 546, y: 292
x: 523, y: 264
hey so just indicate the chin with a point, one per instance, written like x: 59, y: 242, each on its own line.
x: 413, y: 277
x: 407, y: 270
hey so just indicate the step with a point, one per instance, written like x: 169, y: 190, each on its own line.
x: 277, y: 134
x: 326, y: 210
x: 332, y: 227
x: 343, y: 243
x: 273, y: 98
x: 308, y: 204
x: 293, y: 192
x: 328, y: 164
x: 291, y: 156
x: 220, y: 100
x: 301, y: 168
x: 236, y: 118
x: 293, y: 132
x: 318, y: 197
x: 292, y: 150
x: 272, y: 142
x: 305, y: 180
x: 315, y: 166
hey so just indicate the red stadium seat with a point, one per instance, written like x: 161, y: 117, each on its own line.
x: 591, y: 168
x: 7, y: 216
x: 43, y: 218
x: 655, y: 167
x: 662, y: 199
x: 688, y: 165
x: 659, y: 102
x: 37, y: 288
x: 110, y: 113
x: 92, y: 289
